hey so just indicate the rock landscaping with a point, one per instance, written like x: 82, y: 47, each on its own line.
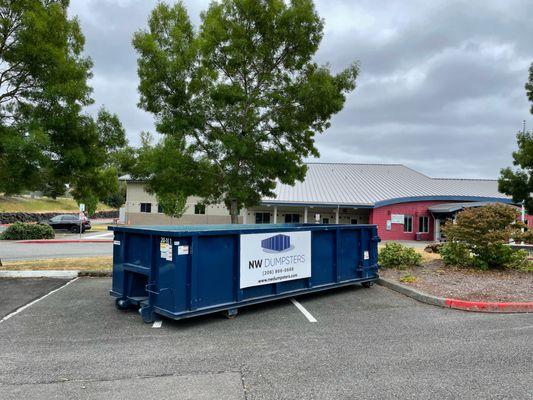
x: 434, y: 278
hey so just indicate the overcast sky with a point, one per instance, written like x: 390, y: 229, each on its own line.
x: 441, y: 88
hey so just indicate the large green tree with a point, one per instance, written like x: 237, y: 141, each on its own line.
x: 518, y: 182
x: 238, y: 100
x: 46, y: 142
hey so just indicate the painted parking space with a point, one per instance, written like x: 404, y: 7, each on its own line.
x: 371, y: 342
x: 17, y: 292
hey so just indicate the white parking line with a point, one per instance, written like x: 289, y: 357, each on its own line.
x: 99, y: 235
x: 157, y: 324
x: 303, y: 310
x: 35, y: 301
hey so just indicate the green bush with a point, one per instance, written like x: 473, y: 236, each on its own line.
x: 479, y: 237
x: 395, y: 255
x: 456, y: 254
x: 22, y: 231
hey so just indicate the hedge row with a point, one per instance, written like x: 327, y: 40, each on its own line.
x: 10, y: 218
x: 22, y: 231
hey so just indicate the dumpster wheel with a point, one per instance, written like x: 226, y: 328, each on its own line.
x: 367, y: 284
x: 122, y: 304
x: 147, y: 314
x: 231, y: 313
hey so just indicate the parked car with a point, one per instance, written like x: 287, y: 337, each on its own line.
x: 69, y: 222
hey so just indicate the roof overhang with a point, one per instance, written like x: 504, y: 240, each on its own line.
x: 313, y: 204
x: 443, y: 198
x: 450, y: 208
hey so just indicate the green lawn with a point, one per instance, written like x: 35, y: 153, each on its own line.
x: 44, y: 204
x: 99, y: 263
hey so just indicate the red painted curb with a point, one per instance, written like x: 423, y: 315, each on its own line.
x: 53, y: 241
x: 489, y: 306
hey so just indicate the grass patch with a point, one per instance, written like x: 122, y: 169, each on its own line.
x: 408, y: 279
x: 99, y: 228
x: 44, y: 204
x: 100, y: 263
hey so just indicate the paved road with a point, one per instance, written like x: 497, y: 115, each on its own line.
x: 12, y: 251
x: 366, y: 344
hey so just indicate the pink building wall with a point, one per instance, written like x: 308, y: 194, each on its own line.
x: 380, y: 215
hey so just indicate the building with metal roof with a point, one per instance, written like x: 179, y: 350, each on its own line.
x: 398, y: 199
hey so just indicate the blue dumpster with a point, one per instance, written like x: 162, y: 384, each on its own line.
x: 184, y: 271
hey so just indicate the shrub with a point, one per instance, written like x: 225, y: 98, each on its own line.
x: 24, y: 231
x: 395, y: 255
x: 456, y: 254
x: 480, y: 236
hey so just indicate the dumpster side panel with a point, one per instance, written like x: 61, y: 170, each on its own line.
x: 323, y: 252
x: 257, y: 291
x: 350, y: 247
x: 137, y: 252
x: 170, y: 282
x: 216, y: 258
x: 118, y: 263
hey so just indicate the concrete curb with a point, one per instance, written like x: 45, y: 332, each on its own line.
x: 476, y: 306
x: 415, y: 294
x: 39, y: 274
x: 55, y: 241
x: 95, y: 274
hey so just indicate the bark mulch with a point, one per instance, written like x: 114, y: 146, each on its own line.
x: 435, y: 278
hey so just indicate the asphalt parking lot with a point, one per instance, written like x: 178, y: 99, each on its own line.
x: 366, y: 344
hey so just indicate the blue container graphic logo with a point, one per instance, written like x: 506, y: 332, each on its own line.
x: 276, y: 243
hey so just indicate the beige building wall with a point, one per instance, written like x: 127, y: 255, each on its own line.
x: 136, y: 195
x: 218, y: 214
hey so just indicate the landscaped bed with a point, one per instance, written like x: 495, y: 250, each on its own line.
x: 434, y: 278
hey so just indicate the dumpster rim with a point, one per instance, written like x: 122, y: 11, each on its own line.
x: 255, y: 228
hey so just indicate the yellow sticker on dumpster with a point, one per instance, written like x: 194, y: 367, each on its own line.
x: 165, y: 248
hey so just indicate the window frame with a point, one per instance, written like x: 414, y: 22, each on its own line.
x: 423, y: 225
x: 145, y: 208
x: 261, y: 220
x: 294, y: 218
x: 409, y: 225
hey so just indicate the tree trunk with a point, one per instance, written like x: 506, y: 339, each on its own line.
x: 234, y: 211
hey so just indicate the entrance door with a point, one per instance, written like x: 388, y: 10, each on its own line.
x: 437, y: 234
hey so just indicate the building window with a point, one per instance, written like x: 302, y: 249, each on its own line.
x: 407, y: 223
x: 159, y: 209
x: 146, y: 207
x: 325, y: 220
x: 199, y: 209
x: 262, y: 218
x: 292, y: 218
x: 353, y: 221
x: 423, y: 224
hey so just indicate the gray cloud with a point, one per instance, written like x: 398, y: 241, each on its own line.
x: 440, y: 90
